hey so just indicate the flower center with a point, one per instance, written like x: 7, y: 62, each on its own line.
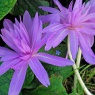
x: 72, y: 27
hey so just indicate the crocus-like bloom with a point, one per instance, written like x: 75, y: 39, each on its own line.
x: 25, y: 39
x: 76, y: 22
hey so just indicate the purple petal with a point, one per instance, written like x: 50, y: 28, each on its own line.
x: 77, y: 4
x: 89, y: 31
x: 89, y: 39
x: 92, y: 9
x: 88, y: 17
x: 17, y: 81
x: 28, y: 23
x: 50, y: 18
x: 73, y: 43
x: 50, y: 41
x: 16, y: 23
x: 4, y: 51
x: 55, y: 38
x: 86, y: 50
x: 70, y: 6
x: 88, y: 57
x: 27, y: 20
x: 54, y: 60
x: 23, y: 33
x: 84, y: 44
x: 53, y: 27
x: 92, y: 2
x: 62, y: 9
x: 8, y: 39
x: 10, y: 56
x: 41, y: 43
x: 5, y: 66
x: 7, y: 24
x: 49, y: 9
x: 39, y: 71
x: 60, y: 38
x: 36, y: 32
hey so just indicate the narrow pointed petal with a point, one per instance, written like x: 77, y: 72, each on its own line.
x: 5, y: 66
x: 27, y: 20
x: 50, y: 18
x: 89, y: 31
x: 54, y: 60
x: 9, y: 57
x: 86, y: 50
x: 89, y: 39
x: 88, y: 57
x: 84, y: 44
x: 62, y: 9
x: 36, y: 35
x: 7, y: 24
x: 56, y: 38
x: 39, y: 71
x: 70, y: 6
x: 88, y: 17
x: 23, y: 33
x: 41, y: 43
x: 49, y: 41
x: 17, y: 81
x: 16, y: 22
x: 73, y: 43
x: 53, y: 27
x: 4, y: 51
x: 77, y: 4
x: 7, y: 39
x: 49, y: 9
x: 60, y: 37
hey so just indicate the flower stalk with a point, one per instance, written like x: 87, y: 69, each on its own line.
x: 77, y: 65
x: 77, y: 72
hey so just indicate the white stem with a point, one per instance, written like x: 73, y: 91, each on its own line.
x: 78, y: 58
x: 67, y: 55
x: 77, y: 72
x: 77, y: 65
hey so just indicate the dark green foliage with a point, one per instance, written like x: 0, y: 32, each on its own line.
x: 56, y: 88
x: 30, y: 5
x: 5, y: 81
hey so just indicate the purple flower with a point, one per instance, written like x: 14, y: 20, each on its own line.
x: 76, y: 22
x: 25, y: 39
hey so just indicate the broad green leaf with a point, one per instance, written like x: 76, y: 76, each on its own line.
x: 6, y: 6
x: 55, y: 88
x: 5, y: 82
x: 31, y: 5
x: 65, y: 72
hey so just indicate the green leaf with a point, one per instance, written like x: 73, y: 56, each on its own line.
x: 55, y: 88
x: 28, y: 79
x: 65, y: 72
x: 5, y: 82
x: 80, y: 89
x: 44, y: 3
x: 31, y: 5
x: 6, y: 6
